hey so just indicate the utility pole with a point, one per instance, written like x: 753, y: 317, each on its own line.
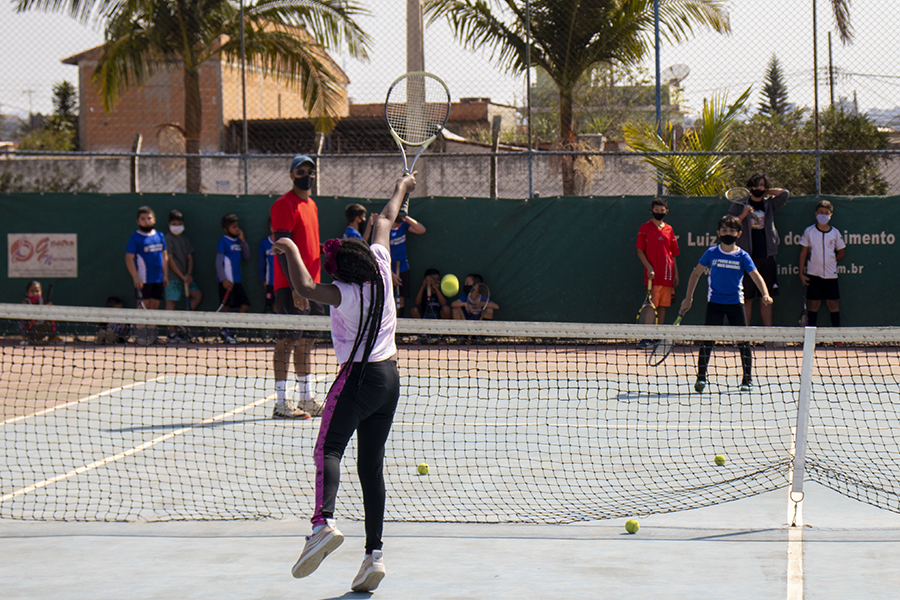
x: 415, y: 61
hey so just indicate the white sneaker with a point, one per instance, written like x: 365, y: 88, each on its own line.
x: 287, y: 410
x: 370, y: 573
x: 312, y: 406
x: 318, y: 546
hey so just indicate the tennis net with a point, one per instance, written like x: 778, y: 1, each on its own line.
x: 518, y: 422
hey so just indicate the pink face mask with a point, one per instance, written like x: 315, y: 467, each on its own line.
x: 34, y: 299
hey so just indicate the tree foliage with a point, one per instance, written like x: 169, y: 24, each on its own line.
x: 570, y: 38
x: 286, y: 39
x: 59, y: 132
x: 774, y: 93
x: 706, y: 175
x: 851, y: 174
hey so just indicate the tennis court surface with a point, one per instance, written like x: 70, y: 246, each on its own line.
x: 155, y: 469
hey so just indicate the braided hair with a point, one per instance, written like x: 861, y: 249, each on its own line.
x: 355, y: 264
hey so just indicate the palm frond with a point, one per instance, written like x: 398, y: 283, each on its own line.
x: 693, y: 175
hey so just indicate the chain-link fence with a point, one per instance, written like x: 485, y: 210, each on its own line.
x: 111, y: 102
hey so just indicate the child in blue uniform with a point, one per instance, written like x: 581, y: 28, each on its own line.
x: 147, y: 260
x: 231, y: 251
x: 727, y: 264
x: 399, y: 262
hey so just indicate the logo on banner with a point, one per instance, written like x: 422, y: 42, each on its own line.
x: 38, y: 255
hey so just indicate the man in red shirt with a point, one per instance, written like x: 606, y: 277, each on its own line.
x: 657, y: 249
x: 295, y: 215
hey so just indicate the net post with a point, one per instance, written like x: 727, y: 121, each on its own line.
x: 802, y: 423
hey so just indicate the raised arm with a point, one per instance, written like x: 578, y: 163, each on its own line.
x: 381, y: 233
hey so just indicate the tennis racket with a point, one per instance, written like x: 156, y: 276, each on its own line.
x: 647, y: 315
x: 804, y: 318
x: 144, y: 335
x: 738, y: 195
x: 416, y: 110
x: 224, y: 300
x: 478, y: 299
x: 46, y: 299
x: 663, y: 348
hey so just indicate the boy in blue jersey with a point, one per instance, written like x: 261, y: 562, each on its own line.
x: 231, y: 251
x: 727, y: 264
x: 147, y: 260
x: 399, y: 262
x: 356, y: 216
x: 266, y: 265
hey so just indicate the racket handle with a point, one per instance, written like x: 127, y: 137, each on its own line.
x: 404, y: 207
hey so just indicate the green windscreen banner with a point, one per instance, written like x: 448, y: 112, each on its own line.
x: 546, y: 259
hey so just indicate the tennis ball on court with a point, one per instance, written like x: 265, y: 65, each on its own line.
x: 632, y: 525
x: 720, y: 459
x: 449, y: 285
x: 422, y: 468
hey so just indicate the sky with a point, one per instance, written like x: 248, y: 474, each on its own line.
x: 32, y: 45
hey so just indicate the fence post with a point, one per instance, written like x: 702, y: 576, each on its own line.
x: 495, y: 144
x: 135, y: 150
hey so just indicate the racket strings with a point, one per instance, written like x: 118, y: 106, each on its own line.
x: 417, y: 108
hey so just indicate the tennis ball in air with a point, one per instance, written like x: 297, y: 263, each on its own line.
x: 449, y: 285
x: 720, y: 459
x: 632, y: 525
x: 423, y: 469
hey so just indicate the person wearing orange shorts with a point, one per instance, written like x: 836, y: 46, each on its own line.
x: 657, y: 249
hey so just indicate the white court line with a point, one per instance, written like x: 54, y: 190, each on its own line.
x: 80, y: 400
x: 795, y: 539
x: 99, y: 463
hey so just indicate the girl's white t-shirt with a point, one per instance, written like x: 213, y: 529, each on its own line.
x: 345, y: 317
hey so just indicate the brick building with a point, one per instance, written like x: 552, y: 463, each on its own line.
x: 156, y: 109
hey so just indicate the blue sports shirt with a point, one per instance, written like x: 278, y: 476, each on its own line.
x: 148, y: 254
x: 398, y: 247
x: 351, y: 232
x: 726, y: 274
x: 266, y: 261
x: 231, y: 250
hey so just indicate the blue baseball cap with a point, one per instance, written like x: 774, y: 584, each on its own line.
x: 301, y: 159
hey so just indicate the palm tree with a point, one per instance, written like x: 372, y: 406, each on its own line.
x: 691, y: 175
x: 283, y: 38
x: 569, y: 37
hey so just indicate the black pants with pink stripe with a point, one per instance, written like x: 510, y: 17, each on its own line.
x: 368, y: 409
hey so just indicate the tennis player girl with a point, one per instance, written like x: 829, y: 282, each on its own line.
x: 365, y: 394
x: 727, y: 264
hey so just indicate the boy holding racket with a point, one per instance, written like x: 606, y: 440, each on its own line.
x: 657, y: 249
x: 727, y: 264
x: 364, y: 396
x: 461, y: 306
x: 232, y: 249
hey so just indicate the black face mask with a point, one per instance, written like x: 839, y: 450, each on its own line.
x: 303, y: 183
x: 757, y: 193
x: 728, y: 239
x: 467, y: 289
x: 659, y: 216
x: 145, y: 229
